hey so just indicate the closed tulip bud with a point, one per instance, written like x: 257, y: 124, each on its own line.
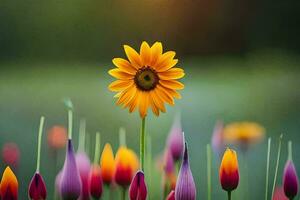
x: 95, y: 182
x: 290, y: 178
x: 9, y: 185
x: 83, y: 164
x: 126, y: 166
x: 175, y: 140
x: 171, y: 196
x: 138, y: 188
x: 70, y: 181
x: 229, y: 171
x: 185, y: 186
x: 37, y: 188
x: 107, y: 164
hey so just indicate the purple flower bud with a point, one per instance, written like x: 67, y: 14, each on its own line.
x: 138, y: 188
x: 168, y: 162
x: 70, y: 184
x: 175, y: 140
x: 171, y: 196
x: 290, y: 180
x: 84, y: 165
x: 185, y: 186
x: 217, y: 140
x: 58, y: 182
x: 37, y: 188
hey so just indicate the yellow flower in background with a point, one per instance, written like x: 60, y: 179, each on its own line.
x: 146, y: 79
x: 244, y: 133
x: 107, y: 164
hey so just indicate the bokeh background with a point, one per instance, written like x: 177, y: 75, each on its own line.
x: 241, y: 60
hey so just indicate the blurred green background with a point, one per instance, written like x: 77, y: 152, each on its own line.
x: 241, y: 60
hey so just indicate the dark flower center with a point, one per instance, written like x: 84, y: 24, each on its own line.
x: 146, y: 78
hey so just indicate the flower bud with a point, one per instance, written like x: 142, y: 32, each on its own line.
x: 171, y: 196
x: 185, y: 186
x: 107, y: 164
x: 290, y: 180
x: 83, y: 164
x: 175, y: 140
x: 95, y: 182
x: 37, y: 188
x: 70, y: 181
x: 229, y: 172
x: 138, y: 188
x: 9, y: 185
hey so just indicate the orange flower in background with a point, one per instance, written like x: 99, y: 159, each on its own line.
x: 9, y: 185
x: 229, y: 170
x: 127, y: 165
x: 244, y: 133
x: 57, y: 137
x: 107, y: 164
x: 146, y: 79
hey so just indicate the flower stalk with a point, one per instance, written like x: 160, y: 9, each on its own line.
x: 97, y: 149
x: 268, y: 168
x: 277, y: 164
x: 142, y: 144
x: 42, y: 120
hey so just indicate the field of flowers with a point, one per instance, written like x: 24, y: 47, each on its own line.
x: 229, y: 130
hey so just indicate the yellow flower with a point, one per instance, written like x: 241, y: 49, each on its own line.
x: 107, y: 164
x: 146, y: 79
x: 243, y: 132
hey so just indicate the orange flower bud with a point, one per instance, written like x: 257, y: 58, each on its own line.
x: 126, y: 166
x: 9, y: 185
x: 107, y: 164
x: 229, y: 170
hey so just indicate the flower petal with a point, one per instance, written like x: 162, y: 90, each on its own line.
x: 164, y: 59
x: 157, y: 101
x: 156, y: 51
x: 117, y: 73
x: 172, y: 84
x: 145, y: 53
x: 134, y: 101
x: 124, y: 65
x: 126, y: 95
x: 173, y: 73
x: 143, y: 104
x: 133, y: 57
x: 165, y: 95
x: 120, y: 85
x: 167, y: 65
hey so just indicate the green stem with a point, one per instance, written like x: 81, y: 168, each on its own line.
x: 149, y: 164
x: 142, y: 144
x: 70, y: 123
x: 82, y: 128
x: 42, y: 120
x: 208, y: 153
x: 123, y: 194
x: 268, y: 167
x: 277, y: 164
x: 122, y: 136
x: 97, y: 149
x: 229, y: 195
x: 290, y: 151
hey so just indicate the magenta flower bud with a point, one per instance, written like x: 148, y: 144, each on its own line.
x: 37, y: 188
x: 95, y: 182
x: 217, y: 140
x: 138, y: 188
x: 171, y: 196
x: 290, y: 180
x: 175, y: 139
x: 70, y: 181
x: 185, y: 185
x: 84, y: 166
